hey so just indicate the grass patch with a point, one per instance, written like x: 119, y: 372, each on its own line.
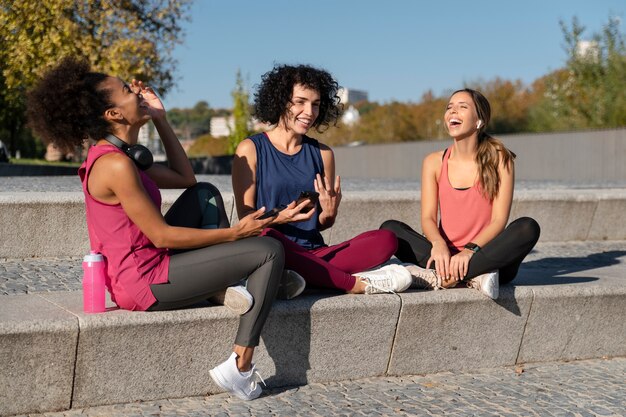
x: 206, y: 145
x: 27, y: 161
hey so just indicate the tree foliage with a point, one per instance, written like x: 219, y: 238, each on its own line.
x: 241, y: 115
x: 193, y: 122
x: 511, y: 102
x: 589, y: 91
x: 208, y: 145
x: 127, y: 38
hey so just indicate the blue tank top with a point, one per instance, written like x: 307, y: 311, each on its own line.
x: 279, y: 180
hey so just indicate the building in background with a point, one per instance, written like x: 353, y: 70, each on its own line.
x: 349, y: 95
x: 149, y: 138
x: 350, y: 116
x: 222, y: 126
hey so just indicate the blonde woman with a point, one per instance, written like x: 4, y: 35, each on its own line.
x: 470, y: 186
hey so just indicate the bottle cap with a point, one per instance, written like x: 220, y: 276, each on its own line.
x: 93, y: 257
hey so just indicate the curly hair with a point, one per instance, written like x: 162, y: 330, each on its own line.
x: 66, y: 106
x: 491, y: 152
x: 273, y: 97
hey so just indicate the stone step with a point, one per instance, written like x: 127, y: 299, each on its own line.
x: 49, y: 224
x: 567, y: 303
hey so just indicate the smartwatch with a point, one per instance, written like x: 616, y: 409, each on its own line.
x: 472, y: 246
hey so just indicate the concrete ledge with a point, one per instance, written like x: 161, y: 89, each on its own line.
x: 320, y: 338
x: 564, y: 215
x: 581, y: 324
x: 37, y: 355
x: 127, y: 356
x: 119, y: 356
x: 459, y: 329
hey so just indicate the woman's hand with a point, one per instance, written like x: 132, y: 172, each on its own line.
x: 251, y: 225
x: 329, y: 198
x: 440, y: 255
x: 152, y: 102
x: 459, y: 264
x: 293, y: 213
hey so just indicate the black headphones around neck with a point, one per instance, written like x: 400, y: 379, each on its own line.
x: 138, y: 153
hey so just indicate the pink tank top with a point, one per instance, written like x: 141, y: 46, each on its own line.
x: 133, y: 262
x: 463, y: 213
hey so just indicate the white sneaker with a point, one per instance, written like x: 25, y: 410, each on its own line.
x: 387, y: 279
x: 424, y: 279
x: 291, y: 285
x: 231, y: 379
x: 236, y: 298
x: 488, y: 284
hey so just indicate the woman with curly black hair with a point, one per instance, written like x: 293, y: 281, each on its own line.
x: 156, y: 262
x: 272, y: 169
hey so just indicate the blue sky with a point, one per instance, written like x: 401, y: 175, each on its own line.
x: 393, y: 49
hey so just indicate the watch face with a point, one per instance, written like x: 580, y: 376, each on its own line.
x: 472, y: 246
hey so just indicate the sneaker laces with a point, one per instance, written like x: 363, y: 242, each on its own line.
x: 256, y: 374
x: 385, y: 281
x: 428, y: 277
x: 473, y: 283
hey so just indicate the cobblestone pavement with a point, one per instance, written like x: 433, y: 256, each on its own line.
x: 22, y: 276
x: 573, y: 389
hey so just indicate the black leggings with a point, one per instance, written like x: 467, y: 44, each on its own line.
x: 195, y: 275
x: 504, y: 253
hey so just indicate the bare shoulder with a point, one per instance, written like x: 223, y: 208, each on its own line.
x: 112, y: 175
x: 325, y: 148
x: 115, y: 163
x: 246, y: 148
x: 327, y: 153
x: 433, y: 159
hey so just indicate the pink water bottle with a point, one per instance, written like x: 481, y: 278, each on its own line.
x: 93, y: 283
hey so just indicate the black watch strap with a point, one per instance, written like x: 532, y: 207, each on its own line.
x: 472, y: 246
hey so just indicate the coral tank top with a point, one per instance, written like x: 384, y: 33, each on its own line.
x: 464, y: 213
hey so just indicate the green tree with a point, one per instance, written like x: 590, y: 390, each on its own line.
x: 128, y: 38
x: 510, y: 101
x: 589, y: 93
x: 428, y: 117
x: 193, y: 122
x: 241, y: 115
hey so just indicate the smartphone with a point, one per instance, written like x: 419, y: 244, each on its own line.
x: 308, y: 195
x: 272, y: 213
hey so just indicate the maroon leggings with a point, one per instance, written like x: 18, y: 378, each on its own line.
x: 333, y: 266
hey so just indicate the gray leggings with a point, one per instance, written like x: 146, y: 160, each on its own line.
x: 195, y: 275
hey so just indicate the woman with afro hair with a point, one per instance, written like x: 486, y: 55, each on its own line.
x: 156, y: 262
x: 272, y: 169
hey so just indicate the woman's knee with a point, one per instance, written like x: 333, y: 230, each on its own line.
x: 197, y: 190
x: 393, y: 225
x: 206, y: 186
x: 274, y: 248
x: 527, y: 229
x: 387, y: 239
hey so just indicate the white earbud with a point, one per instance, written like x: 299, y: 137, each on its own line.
x: 479, y: 124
